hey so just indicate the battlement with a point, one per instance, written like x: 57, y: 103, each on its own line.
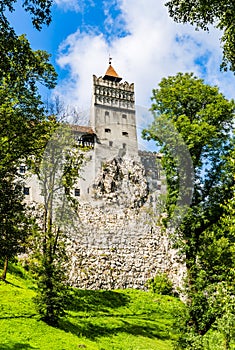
x: 114, y: 94
x: 113, y: 84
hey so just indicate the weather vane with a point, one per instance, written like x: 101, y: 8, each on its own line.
x: 110, y: 59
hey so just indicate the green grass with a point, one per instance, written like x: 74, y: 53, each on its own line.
x: 104, y: 320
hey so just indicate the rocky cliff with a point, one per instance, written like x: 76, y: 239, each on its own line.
x: 118, y: 242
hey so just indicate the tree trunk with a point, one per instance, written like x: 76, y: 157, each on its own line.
x: 227, y: 342
x: 4, y: 274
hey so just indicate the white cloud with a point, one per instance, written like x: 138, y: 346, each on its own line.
x: 155, y: 47
x: 83, y: 56
x: 69, y: 5
x: 74, y: 5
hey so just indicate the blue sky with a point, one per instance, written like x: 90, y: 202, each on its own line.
x: 68, y: 16
x: 146, y: 45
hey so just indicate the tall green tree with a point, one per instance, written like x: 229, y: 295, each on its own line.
x: 57, y: 175
x: 203, y: 119
x: 202, y: 14
x: 23, y: 126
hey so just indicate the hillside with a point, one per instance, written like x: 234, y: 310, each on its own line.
x: 104, y: 320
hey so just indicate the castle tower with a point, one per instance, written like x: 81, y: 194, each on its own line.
x: 113, y: 117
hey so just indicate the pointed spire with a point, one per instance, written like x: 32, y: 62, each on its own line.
x: 111, y: 74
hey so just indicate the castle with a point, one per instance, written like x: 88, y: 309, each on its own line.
x: 111, y: 134
x: 115, y: 241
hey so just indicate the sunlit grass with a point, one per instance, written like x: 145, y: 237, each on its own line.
x: 123, y: 319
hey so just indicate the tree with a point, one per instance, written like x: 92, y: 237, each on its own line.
x: 209, y: 322
x: 57, y: 174
x: 23, y: 126
x: 219, y: 13
x: 40, y: 11
x: 15, y: 226
x: 203, y: 118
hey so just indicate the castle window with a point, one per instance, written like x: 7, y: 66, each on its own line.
x: 110, y: 143
x: 107, y: 130
x: 124, y: 116
x: 124, y: 133
x: 22, y: 169
x: 77, y: 192
x: 106, y: 113
x: 124, y: 145
x: 26, y: 191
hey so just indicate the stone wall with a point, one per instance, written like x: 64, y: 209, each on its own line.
x: 117, y: 242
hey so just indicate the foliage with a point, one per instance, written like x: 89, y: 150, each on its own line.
x: 23, y: 126
x: 22, y: 120
x: 219, y: 13
x: 40, y: 11
x: 203, y: 119
x: 57, y: 174
x: 212, y: 295
x: 127, y: 319
x: 52, y: 292
x: 160, y: 284
x: 15, y: 226
x: 24, y: 132
x: 211, y: 303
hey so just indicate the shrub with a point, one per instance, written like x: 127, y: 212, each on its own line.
x: 160, y: 284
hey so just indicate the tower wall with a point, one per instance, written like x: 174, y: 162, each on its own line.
x: 113, y: 119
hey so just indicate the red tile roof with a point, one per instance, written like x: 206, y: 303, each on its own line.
x: 111, y: 74
x: 83, y: 129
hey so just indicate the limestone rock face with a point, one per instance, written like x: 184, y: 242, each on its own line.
x: 122, y: 181
x: 117, y: 241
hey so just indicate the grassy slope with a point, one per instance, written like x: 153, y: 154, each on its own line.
x: 104, y: 320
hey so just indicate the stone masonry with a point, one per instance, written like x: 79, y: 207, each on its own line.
x: 118, y: 242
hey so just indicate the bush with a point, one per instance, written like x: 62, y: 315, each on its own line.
x: 160, y: 284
